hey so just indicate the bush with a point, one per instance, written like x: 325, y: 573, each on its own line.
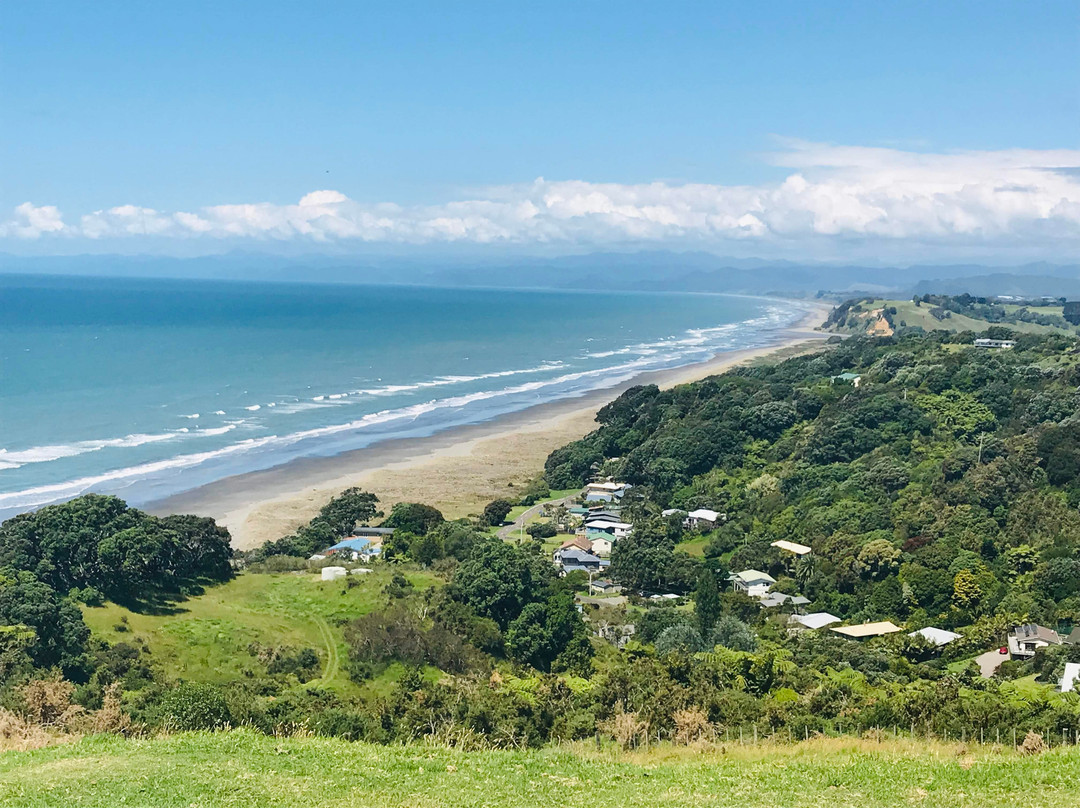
x: 194, y: 706
x: 495, y: 513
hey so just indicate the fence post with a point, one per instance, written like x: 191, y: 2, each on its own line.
x: 740, y: 733
x: 755, y: 733
x: 1014, y: 737
x: 806, y: 732
x: 997, y: 735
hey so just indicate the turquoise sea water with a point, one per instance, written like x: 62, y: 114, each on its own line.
x: 147, y: 388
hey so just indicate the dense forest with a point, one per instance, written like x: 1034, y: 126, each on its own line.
x: 940, y: 490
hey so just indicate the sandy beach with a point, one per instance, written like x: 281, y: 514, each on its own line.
x: 457, y: 471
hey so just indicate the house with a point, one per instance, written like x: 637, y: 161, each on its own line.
x: 670, y: 511
x: 938, y: 637
x: 865, y: 630
x: 611, y: 514
x: 578, y: 542
x: 703, y: 519
x: 753, y: 582
x: 853, y: 378
x: 813, y: 622
x: 602, y: 547
x: 995, y: 343
x: 373, y: 532
x: 1025, y: 640
x: 791, y: 547
x: 619, y: 530
x: 573, y: 559
x: 359, y: 549
x: 602, y: 586
x: 1074, y: 637
x: 774, y: 599
x: 1070, y: 678
x: 605, y: 492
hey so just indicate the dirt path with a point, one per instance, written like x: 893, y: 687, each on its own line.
x: 333, y: 660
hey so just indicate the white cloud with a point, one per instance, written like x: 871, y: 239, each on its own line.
x: 32, y: 221
x: 834, y: 193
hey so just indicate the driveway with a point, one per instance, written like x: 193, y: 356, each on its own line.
x: 513, y: 530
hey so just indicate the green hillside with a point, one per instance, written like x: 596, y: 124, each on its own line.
x: 867, y: 316
x: 206, y: 638
x: 243, y: 768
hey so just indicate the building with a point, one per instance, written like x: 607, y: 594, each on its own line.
x: 605, y: 492
x: 602, y: 546
x: 703, y: 519
x: 373, y: 532
x: 938, y: 637
x: 1074, y: 637
x: 1070, y: 678
x: 982, y: 342
x: 619, y: 530
x: 802, y: 622
x: 1025, y: 640
x: 578, y: 542
x: 867, y: 630
x: 753, y: 582
x: 774, y: 599
x: 573, y: 559
x: 603, y: 586
x: 854, y: 379
x: 357, y: 548
x: 791, y: 547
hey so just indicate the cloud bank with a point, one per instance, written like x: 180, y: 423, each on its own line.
x: 1016, y: 198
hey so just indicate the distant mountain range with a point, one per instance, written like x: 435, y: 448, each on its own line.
x: 640, y: 271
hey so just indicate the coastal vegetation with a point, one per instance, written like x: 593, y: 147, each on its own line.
x: 935, y: 483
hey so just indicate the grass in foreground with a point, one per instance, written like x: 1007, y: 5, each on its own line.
x: 207, y: 637
x: 243, y: 769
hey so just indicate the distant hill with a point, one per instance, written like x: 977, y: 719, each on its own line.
x: 885, y: 316
x: 656, y: 270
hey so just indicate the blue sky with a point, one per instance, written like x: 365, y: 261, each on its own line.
x: 160, y: 109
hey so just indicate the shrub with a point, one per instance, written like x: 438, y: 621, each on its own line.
x: 194, y: 706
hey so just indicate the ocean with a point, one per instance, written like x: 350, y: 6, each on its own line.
x: 146, y: 388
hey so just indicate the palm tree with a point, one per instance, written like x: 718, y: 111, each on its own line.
x: 805, y: 569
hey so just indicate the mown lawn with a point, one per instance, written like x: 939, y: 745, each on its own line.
x: 206, y: 638
x: 243, y: 769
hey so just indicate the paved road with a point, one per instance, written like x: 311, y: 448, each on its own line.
x: 514, y: 531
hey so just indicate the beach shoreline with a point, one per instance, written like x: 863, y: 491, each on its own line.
x: 457, y: 470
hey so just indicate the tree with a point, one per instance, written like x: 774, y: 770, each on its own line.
x: 877, y: 559
x: 498, y: 580
x: 680, y: 638
x: 706, y: 602
x: 414, y: 517
x: 495, y: 512
x: 966, y: 590
x: 732, y: 633
x: 352, y: 505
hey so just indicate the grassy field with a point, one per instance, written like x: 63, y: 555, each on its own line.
x: 205, y: 638
x: 908, y: 312
x: 239, y: 768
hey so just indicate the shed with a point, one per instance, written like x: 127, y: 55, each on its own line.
x: 791, y: 547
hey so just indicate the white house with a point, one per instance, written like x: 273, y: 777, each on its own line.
x: 1070, y: 678
x: 619, y: 530
x: 753, y: 582
x: 937, y: 636
x: 994, y: 343
x: 791, y: 547
x: 703, y: 518
x: 1025, y: 640
x: 812, y: 621
x: 601, y: 547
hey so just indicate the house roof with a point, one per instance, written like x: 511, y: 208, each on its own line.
x: 847, y: 376
x: 1074, y: 637
x: 670, y: 511
x: 373, y: 531
x: 607, y: 486
x: 604, y: 524
x: 779, y: 599
x: 1033, y: 631
x: 752, y: 577
x: 815, y: 620
x: 799, y: 600
x: 868, y: 629
x: 791, y: 547
x: 704, y: 513
x: 574, y: 555
x: 357, y: 545
x: 938, y: 636
x: 577, y: 541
